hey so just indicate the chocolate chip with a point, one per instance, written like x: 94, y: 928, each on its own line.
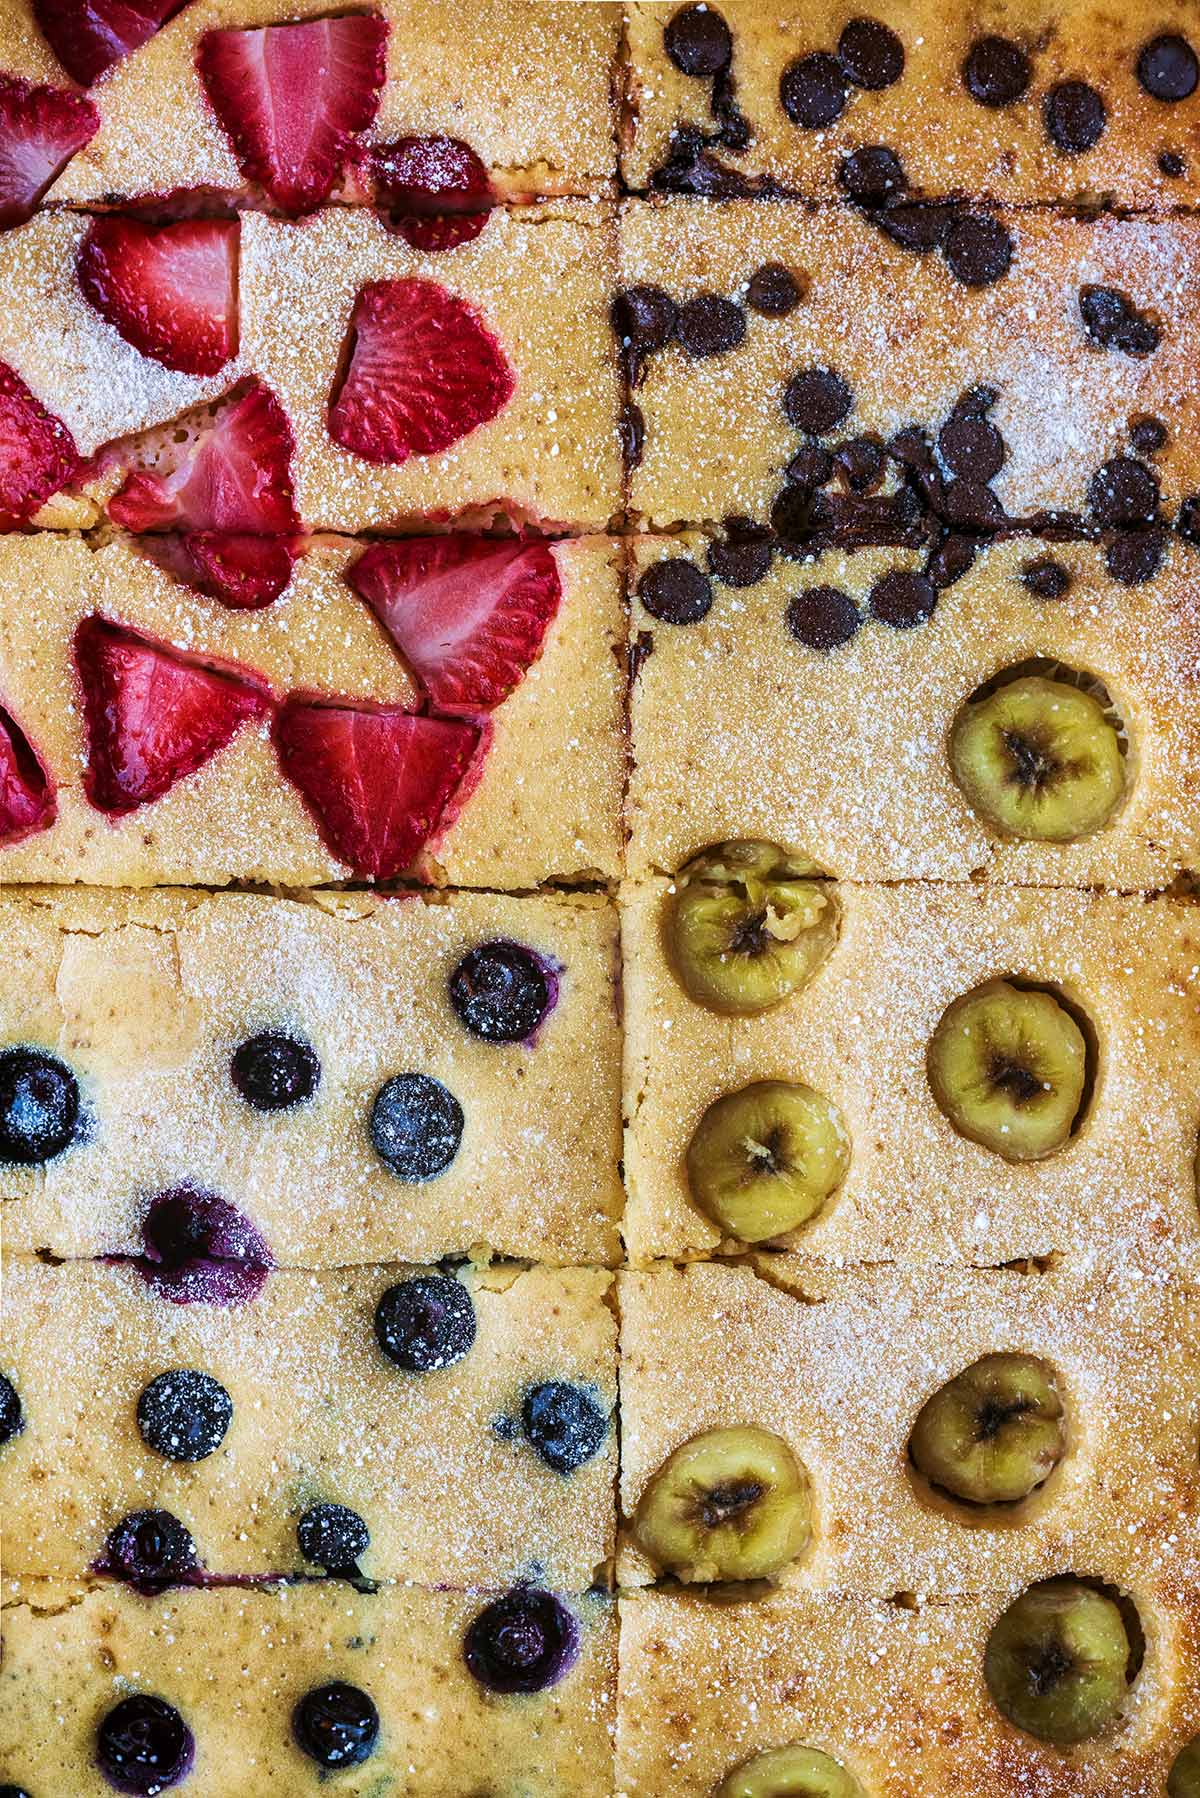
x: 1110, y: 318
x: 970, y: 447
x: 872, y: 56
x: 1147, y: 435
x: 1134, y: 559
x: 709, y: 325
x: 971, y: 505
x: 1167, y: 68
x: 916, y: 226
x: 975, y: 401
x: 1046, y: 578
x: 872, y: 174
x: 812, y: 91
x: 644, y: 319
x: 1074, y: 116
x: 995, y: 71
x: 810, y: 467
x: 978, y: 250
x: 1124, y: 492
x: 631, y: 428
x: 817, y: 400
x: 774, y: 290
x: 902, y: 599
x: 1171, y: 164
x: 698, y: 42
x: 675, y: 591
x: 792, y: 514
x: 860, y: 463
x: 823, y: 618
x: 950, y: 561
x: 1188, y: 521
x: 739, y: 563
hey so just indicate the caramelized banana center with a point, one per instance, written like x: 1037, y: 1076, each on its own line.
x: 725, y: 1504
x: 994, y: 1415
x: 1014, y: 1078
x: 1049, y: 1669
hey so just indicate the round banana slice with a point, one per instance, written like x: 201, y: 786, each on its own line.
x: 764, y: 1160
x: 1009, y: 1068
x: 1039, y: 759
x: 994, y: 1433
x: 789, y: 1773
x: 732, y: 1504
x: 748, y: 926
x: 1057, y: 1662
x: 1183, y: 1781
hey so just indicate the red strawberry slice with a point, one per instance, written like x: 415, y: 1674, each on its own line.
x: 379, y: 781
x: 170, y: 290
x: 37, y: 452
x: 291, y: 99
x: 231, y: 472
x: 89, y: 36
x: 424, y: 370
x: 241, y: 571
x: 41, y: 128
x: 153, y: 713
x: 27, y: 802
x: 437, y: 190
x: 468, y: 613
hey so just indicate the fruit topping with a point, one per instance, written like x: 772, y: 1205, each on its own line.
x: 994, y: 1433
x: 763, y: 1160
x: 731, y: 1504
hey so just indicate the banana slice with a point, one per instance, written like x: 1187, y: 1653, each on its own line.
x: 1008, y: 1066
x: 1057, y: 1662
x: 732, y: 1504
x: 1039, y: 759
x: 994, y: 1433
x: 1183, y: 1781
x: 764, y: 1160
x: 748, y: 926
x: 789, y: 1773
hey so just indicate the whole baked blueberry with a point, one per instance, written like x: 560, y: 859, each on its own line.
x: 336, y: 1725
x: 565, y: 1424
x: 334, y: 1537
x: 501, y: 992
x: 184, y: 1414
x: 12, y: 1418
x: 39, y: 1106
x: 273, y: 1071
x: 522, y: 1642
x: 425, y: 1323
x: 13, y: 1792
x: 416, y: 1126
x: 143, y: 1746
x: 151, y: 1550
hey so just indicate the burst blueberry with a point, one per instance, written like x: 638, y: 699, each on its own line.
x: 274, y: 1072
x: 501, y: 992
x: 12, y: 1418
x: 201, y: 1249
x: 336, y: 1725
x: 143, y: 1746
x: 333, y: 1537
x: 565, y: 1424
x: 425, y: 1323
x: 523, y: 1642
x: 416, y: 1126
x: 39, y: 1106
x: 151, y: 1550
x: 184, y: 1414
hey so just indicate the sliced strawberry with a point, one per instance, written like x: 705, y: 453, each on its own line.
x: 291, y: 99
x: 153, y: 713
x: 241, y: 571
x: 436, y: 190
x: 27, y: 802
x: 203, y: 472
x: 41, y: 128
x: 37, y: 452
x: 379, y: 781
x: 89, y: 36
x: 170, y: 290
x: 424, y: 370
x: 433, y: 234
x: 468, y: 613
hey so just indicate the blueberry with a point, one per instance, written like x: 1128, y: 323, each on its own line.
x: 501, y: 992
x: 425, y: 1323
x: 151, y: 1550
x: 273, y: 1071
x: 334, y: 1537
x: 184, y: 1414
x: 416, y: 1126
x: 201, y: 1249
x: 143, y: 1746
x: 39, y: 1106
x: 13, y: 1792
x: 564, y: 1423
x: 336, y: 1725
x: 523, y: 1642
x: 12, y: 1418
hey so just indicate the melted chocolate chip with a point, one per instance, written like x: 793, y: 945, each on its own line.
x: 951, y: 559
x: 871, y: 175
x: 871, y: 55
x: 698, y: 42
x: 902, y: 599
x: 995, y: 71
x: 740, y: 563
x: 644, y: 319
x: 1147, y: 435
x: 1046, y: 578
x: 970, y: 447
x: 810, y: 467
x: 817, y: 400
x: 710, y: 325
x: 860, y: 463
x: 1124, y: 493
x: 1188, y: 521
x: 1134, y: 559
x: 978, y: 250
x: 1074, y: 116
x: 1111, y: 319
x: 1171, y: 164
x: 774, y: 290
x: 822, y: 618
x: 631, y: 428
x: 1167, y: 68
x: 675, y: 591
x: 792, y: 514
x: 916, y: 226
x: 971, y: 505
x: 812, y: 91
